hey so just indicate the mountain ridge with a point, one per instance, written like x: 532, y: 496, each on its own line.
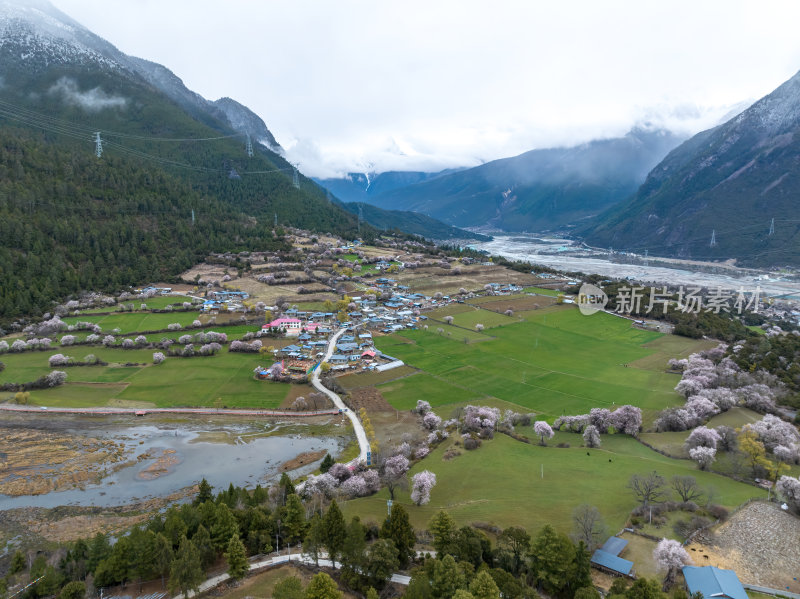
x: 539, y: 189
x: 728, y: 182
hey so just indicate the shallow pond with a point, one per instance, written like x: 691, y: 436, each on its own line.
x: 163, y: 458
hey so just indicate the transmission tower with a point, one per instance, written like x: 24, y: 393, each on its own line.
x: 360, y: 217
x: 713, y: 238
x: 249, y: 147
x: 193, y: 217
x: 98, y: 145
x: 295, y: 177
x: 275, y: 222
x: 772, y: 227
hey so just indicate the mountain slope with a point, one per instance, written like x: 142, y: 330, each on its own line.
x: 540, y: 189
x: 173, y: 182
x: 410, y: 222
x: 730, y: 181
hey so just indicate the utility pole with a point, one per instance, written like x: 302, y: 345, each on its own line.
x: 249, y: 147
x: 98, y: 145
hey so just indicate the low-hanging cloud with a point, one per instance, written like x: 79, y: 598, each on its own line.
x: 92, y: 100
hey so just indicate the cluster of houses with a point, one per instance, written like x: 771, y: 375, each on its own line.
x: 224, y: 301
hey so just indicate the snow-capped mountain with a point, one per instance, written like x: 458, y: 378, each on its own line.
x: 35, y: 36
x: 728, y: 182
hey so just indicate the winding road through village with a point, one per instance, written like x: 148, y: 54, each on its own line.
x: 361, y: 435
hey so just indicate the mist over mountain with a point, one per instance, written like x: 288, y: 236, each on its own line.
x: 538, y: 190
x: 728, y: 182
x: 363, y: 187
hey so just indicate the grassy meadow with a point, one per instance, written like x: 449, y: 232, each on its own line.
x: 551, y: 361
x: 501, y: 483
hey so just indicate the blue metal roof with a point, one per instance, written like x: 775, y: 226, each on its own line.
x: 714, y: 582
x: 612, y: 562
x: 614, y: 545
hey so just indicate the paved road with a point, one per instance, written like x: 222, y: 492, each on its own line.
x: 361, y: 436
x: 277, y: 561
x: 132, y: 411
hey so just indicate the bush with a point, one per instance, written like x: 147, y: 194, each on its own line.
x: 718, y: 512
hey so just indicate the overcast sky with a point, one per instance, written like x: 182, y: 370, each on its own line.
x: 353, y: 85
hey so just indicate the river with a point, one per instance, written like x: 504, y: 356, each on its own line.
x: 560, y: 254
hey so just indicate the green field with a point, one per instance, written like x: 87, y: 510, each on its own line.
x: 225, y: 379
x: 128, y: 322
x: 543, y: 291
x: 554, y: 361
x: 501, y: 483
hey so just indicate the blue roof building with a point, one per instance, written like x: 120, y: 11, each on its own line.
x: 607, y: 557
x: 713, y: 582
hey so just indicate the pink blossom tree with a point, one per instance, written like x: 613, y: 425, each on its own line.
x: 423, y: 407
x: 543, y: 430
x: 702, y: 437
x: 772, y: 431
x: 431, y: 421
x: 340, y: 472
x: 158, y: 357
x: 591, y: 436
x: 704, y: 456
x: 55, y: 378
x: 789, y: 488
x: 58, y: 360
x: 421, y: 485
x: 627, y: 419
x: 393, y: 472
x: 600, y: 418
x: 355, y: 486
x: 670, y: 555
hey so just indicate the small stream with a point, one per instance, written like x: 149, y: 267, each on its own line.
x: 223, y: 453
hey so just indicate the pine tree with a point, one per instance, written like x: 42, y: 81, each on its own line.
x: 224, y: 527
x: 286, y: 483
x: 326, y: 464
x: 314, y: 540
x: 322, y: 586
x: 334, y: 531
x: 162, y: 556
x: 202, y: 540
x: 447, y: 578
x: 236, y: 558
x: 398, y: 528
x: 353, y: 548
x: 204, y: 493
x: 442, y: 527
x: 294, y: 521
x: 186, y: 574
x: 484, y: 587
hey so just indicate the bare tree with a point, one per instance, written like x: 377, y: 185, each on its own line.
x: 648, y: 488
x: 686, y: 487
x: 588, y: 526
